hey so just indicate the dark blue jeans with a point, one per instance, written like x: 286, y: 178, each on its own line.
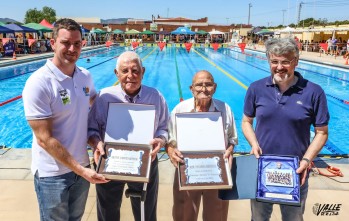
x: 61, y: 198
x: 109, y: 198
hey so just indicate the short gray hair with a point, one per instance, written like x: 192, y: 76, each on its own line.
x: 281, y: 46
x: 128, y: 56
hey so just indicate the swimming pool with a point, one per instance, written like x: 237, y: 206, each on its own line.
x: 171, y: 72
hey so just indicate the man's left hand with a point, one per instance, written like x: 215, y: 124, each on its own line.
x: 229, y: 154
x: 229, y: 151
x: 157, y: 143
x: 303, y: 170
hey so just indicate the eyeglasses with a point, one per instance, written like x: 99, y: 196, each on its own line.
x: 285, y: 63
x: 199, y: 86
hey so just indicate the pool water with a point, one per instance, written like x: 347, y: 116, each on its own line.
x: 171, y: 72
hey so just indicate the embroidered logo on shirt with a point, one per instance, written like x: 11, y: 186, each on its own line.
x: 86, y: 91
x: 65, y: 96
x: 300, y: 102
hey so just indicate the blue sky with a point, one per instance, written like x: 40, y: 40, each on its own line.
x: 263, y: 13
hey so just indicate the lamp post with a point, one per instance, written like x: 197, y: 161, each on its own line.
x: 249, y: 12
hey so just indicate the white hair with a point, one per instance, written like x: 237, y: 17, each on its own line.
x: 128, y: 56
x: 281, y: 46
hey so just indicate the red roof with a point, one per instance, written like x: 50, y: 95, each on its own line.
x: 46, y: 23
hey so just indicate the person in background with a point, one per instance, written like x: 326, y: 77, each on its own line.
x: 56, y: 101
x: 186, y: 204
x: 285, y: 106
x: 130, y: 72
x: 2, y: 51
x: 334, y: 46
x: 329, y: 46
x: 42, y: 46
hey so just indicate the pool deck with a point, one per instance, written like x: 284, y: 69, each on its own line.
x: 316, y: 57
x: 18, y: 199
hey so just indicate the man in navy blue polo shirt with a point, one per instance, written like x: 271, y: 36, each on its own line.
x: 285, y: 106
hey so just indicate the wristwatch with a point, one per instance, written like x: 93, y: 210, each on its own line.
x: 306, y: 160
x: 163, y: 139
x: 172, y: 144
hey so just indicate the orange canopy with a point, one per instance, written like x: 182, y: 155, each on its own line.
x: 46, y: 23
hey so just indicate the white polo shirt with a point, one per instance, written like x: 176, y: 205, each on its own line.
x: 48, y: 93
x: 188, y: 105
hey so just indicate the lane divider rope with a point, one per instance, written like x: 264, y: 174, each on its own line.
x: 223, y: 71
x: 178, y: 80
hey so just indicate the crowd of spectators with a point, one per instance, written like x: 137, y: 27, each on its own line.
x: 20, y: 45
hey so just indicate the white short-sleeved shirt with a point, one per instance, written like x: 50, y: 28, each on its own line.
x: 48, y: 93
x: 231, y: 136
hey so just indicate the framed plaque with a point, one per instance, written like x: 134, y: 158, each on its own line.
x: 278, y: 181
x: 200, y: 138
x: 129, y: 162
x: 268, y: 179
x: 130, y: 128
x: 204, y: 171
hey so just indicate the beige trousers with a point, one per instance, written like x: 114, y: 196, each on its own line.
x: 186, y: 204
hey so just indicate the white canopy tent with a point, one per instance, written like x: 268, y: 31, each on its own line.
x: 212, y: 33
x: 315, y: 34
x: 293, y: 30
x: 216, y: 33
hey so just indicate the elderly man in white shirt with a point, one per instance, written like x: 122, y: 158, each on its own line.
x: 186, y: 203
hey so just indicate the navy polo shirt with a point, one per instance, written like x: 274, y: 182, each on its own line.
x: 284, y: 120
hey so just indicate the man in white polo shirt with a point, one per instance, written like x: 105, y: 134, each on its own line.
x: 56, y: 103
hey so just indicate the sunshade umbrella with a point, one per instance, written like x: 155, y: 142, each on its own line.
x: 84, y: 30
x: 147, y: 32
x: 216, y: 33
x: 255, y: 30
x: 46, y: 23
x: 288, y: 29
x: 132, y: 32
x: 98, y: 31
x: 164, y: 33
x: 201, y: 32
x: 5, y: 30
x: 38, y: 27
x: 183, y: 31
x: 20, y: 28
x: 265, y: 32
x: 118, y: 31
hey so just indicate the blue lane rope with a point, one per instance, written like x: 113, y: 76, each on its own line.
x: 303, y: 69
x: 332, y: 96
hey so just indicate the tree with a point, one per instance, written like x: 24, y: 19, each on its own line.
x: 49, y: 14
x: 36, y: 16
x: 33, y: 15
